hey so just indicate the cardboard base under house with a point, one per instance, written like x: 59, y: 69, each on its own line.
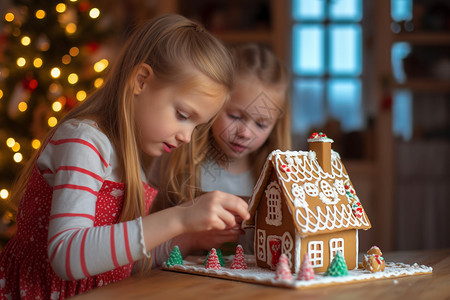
x: 257, y: 275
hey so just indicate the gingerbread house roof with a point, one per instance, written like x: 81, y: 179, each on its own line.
x: 318, y: 201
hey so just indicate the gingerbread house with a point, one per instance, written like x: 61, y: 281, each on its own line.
x: 304, y: 202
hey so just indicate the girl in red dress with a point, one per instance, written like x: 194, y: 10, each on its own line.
x: 84, y: 199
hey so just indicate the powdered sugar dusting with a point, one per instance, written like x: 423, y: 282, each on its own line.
x: 258, y: 275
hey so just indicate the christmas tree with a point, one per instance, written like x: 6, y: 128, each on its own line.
x: 283, y: 272
x: 51, y: 57
x: 219, y: 256
x: 175, y: 257
x: 239, y: 259
x: 213, y: 261
x: 306, y: 271
x: 338, y: 267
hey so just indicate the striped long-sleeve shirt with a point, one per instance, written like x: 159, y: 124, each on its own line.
x: 76, y: 162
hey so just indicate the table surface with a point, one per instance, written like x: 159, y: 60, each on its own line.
x: 159, y: 284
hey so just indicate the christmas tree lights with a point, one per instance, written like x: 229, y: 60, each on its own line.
x: 50, y: 60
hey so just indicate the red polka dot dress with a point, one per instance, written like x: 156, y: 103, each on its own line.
x: 69, y: 239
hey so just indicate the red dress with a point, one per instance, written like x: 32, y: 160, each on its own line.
x: 25, y: 271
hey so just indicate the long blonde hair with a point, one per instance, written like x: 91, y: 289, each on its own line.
x: 180, y: 182
x: 172, y: 45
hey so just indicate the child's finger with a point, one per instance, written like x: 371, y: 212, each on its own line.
x: 237, y: 206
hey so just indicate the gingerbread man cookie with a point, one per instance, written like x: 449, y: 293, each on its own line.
x: 373, y: 261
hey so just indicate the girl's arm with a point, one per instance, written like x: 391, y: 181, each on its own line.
x: 211, y: 211
x: 75, y: 163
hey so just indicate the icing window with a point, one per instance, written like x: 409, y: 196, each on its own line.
x: 335, y: 246
x: 315, y: 250
x: 261, y: 244
x: 273, y: 196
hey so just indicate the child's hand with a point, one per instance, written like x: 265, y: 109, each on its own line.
x: 214, y: 211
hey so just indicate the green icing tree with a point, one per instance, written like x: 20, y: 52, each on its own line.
x: 175, y: 257
x: 219, y: 255
x: 338, y: 267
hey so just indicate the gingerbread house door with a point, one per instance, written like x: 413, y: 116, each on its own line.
x: 274, y: 248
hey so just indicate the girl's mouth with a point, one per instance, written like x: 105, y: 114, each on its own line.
x: 168, y: 148
x: 237, y: 147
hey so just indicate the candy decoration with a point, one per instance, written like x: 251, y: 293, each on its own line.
x: 213, y: 260
x: 285, y: 168
x: 306, y: 271
x: 316, y: 135
x: 219, y: 256
x: 175, y: 257
x: 338, y: 267
x: 283, y: 272
x: 239, y: 259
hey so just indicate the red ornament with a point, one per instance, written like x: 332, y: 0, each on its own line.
x: 84, y: 6
x: 93, y: 47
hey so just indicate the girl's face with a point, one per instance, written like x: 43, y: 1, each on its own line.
x: 166, y: 115
x: 248, y: 119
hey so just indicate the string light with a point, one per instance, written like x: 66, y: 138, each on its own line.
x: 1, y: 94
x: 52, y: 121
x: 98, y: 82
x: 66, y: 59
x: 25, y: 40
x: 23, y: 106
x: 4, y: 193
x: 56, y: 106
x: 71, y: 28
x: 17, y: 157
x: 81, y: 95
x: 16, y: 147
x: 55, y: 72
x: 35, y: 144
x: 37, y: 62
x: 94, y: 13
x: 21, y: 62
x: 9, y: 17
x: 72, y: 78
x: 60, y: 7
x: 101, y: 65
x: 10, y: 142
x: 40, y: 14
x: 74, y: 51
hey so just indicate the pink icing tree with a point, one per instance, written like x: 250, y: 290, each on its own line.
x: 213, y: 260
x: 306, y: 271
x: 239, y: 259
x: 283, y: 271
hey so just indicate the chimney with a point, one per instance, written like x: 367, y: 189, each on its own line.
x: 321, y: 144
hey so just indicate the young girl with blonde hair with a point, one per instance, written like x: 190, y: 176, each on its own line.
x: 231, y: 156
x: 82, y: 218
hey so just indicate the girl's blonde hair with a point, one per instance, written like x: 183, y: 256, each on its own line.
x: 176, y: 48
x: 180, y: 182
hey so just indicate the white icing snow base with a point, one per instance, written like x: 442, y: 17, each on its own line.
x: 255, y: 274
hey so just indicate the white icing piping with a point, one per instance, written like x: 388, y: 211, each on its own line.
x: 304, y: 169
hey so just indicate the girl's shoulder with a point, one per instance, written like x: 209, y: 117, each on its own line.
x: 76, y: 128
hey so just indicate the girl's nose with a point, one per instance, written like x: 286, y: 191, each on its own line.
x: 184, y: 136
x: 243, y: 130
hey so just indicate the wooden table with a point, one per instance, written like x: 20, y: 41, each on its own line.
x: 171, y: 285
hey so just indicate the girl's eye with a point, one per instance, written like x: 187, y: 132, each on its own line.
x: 181, y: 116
x: 234, y: 117
x: 263, y: 124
